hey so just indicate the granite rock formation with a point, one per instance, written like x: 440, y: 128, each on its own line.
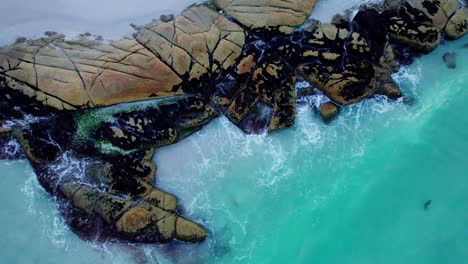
x: 63, y: 100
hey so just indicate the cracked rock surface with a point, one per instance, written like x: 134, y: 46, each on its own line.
x: 90, y: 114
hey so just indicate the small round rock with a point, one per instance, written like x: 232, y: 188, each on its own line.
x: 166, y: 18
x: 328, y: 111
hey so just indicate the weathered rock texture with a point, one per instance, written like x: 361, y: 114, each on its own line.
x: 458, y: 24
x: 85, y: 73
x: 418, y: 23
x: 268, y: 15
x: 112, y: 194
x: 241, y: 60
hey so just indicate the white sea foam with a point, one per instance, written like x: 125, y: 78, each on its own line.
x: 11, y: 149
x: 57, y: 231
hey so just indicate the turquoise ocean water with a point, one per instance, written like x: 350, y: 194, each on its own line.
x: 352, y: 191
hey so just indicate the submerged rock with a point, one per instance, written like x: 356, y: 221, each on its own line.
x: 113, y: 188
x: 166, y: 18
x: 458, y: 24
x: 450, y: 60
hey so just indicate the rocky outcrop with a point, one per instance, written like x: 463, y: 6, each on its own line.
x: 457, y: 26
x: 328, y: 111
x: 419, y: 23
x: 237, y: 58
x: 450, y: 59
x: 110, y: 194
x: 266, y: 15
x: 157, y: 126
x: 348, y: 61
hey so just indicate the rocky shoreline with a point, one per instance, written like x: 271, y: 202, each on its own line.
x: 108, y: 106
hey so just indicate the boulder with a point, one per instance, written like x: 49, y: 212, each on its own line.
x: 438, y: 11
x: 157, y: 126
x: 421, y: 37
x: 264, y: 81
x: 188, y: 231
x: 130, y: 220
x: 383, y: 82
x: 417, y: 23
x: 268, y: 15
x: 44, y: 142
x: 435, y: 12
x: 196, y: 45
x: 9, y: 148
x: 458, y: 24
x: 166, y: 18
x: 328, y: 111
x: 329, y: 62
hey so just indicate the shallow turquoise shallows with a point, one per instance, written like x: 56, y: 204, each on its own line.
x: 353, y: 191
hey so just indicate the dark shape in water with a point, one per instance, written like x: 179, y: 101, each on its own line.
x: 408, y: 100
x: 450, y: 60
x: 427, y: 204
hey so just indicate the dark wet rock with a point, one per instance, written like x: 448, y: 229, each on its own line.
x: 450, y: 60
x: 304, y: 92
x: 257, y: 119
x: 341, y: 21
x: 383, y: 82
x: 347, y: 64
x: 457, y: 26
x: 328, y: 111
x: 53, y: 33
x: 14, y: 104
x: 86, y: 35
x: 45, y: 139
x: 418, y: 23
x: 125, y: 208
x: 404, y: 56
x: 166, y: 18
x: 263, y: 78
x: 20, y: 40
x: 155, y: 127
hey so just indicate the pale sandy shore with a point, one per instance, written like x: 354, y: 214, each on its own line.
x: 109, y: 18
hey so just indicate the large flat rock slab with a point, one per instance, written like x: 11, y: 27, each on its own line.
x: 74, y: 74
x: 196, y: 44
x: 268, y: 14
